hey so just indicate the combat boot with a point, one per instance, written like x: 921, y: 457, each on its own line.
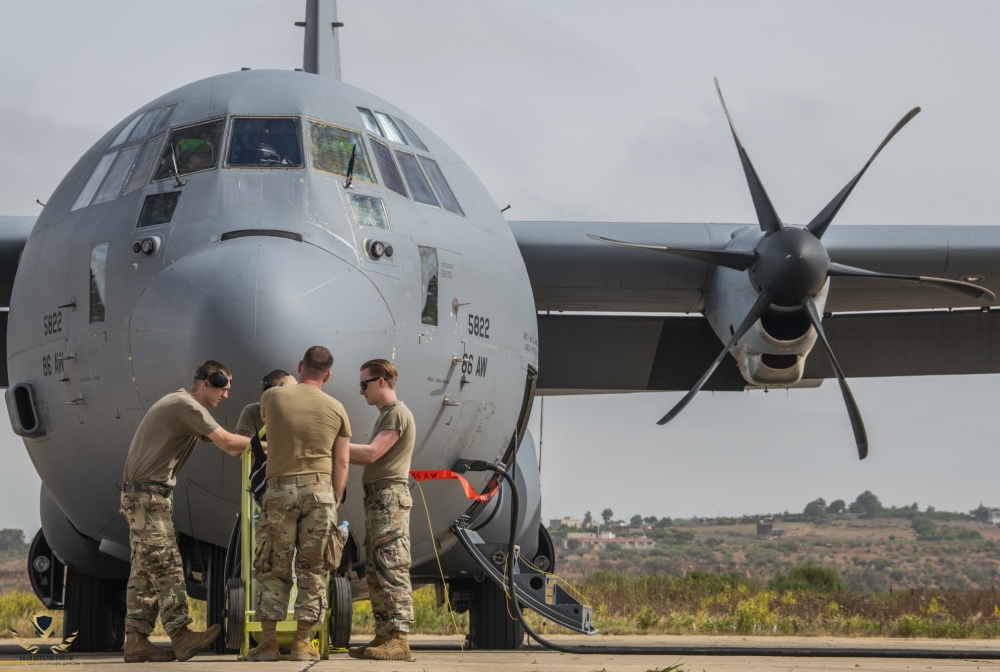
x: 359, y: 651
x: 187, y: 642
x: 268, y: 647
x: 302, y: 648
x: 138, y: 649
x: 395, y: 648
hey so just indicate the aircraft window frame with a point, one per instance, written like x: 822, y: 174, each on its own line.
x: 165, y: 169
x: 123, y: 135
x: 144, y: 164
x: 445, y: 194
x: 365, y: 174
x: 162, y: 120
x: 142, y: 128
x: 392, y: 131
x: 389, y: 178
x: 234, y: 133
x: 94, y: 181
x: 420, y: 188
x: 98, y: 286
x: 368, y: 213
x: 370, y: 122
x: 111, y: 186
x: 429, y: 288
x: 410, y: 135
x: 158, y: 209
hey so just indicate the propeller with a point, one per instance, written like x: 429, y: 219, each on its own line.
x: 789, y: 266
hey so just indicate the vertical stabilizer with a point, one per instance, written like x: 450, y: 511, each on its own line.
x: 321, y: 54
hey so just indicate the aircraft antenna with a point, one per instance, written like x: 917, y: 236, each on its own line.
x: 321, y: 53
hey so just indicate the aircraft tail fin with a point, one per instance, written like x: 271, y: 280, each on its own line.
x: 321, y: 53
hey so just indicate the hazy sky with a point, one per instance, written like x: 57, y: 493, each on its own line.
x: 607, y: 112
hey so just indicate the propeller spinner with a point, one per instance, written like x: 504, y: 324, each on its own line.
x: 789, y: 266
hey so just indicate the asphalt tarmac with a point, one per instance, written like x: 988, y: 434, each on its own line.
x: 443, y: 653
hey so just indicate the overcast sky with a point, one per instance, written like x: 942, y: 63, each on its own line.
x: 607, y: 112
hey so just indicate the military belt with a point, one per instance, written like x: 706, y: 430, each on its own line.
x: 142, y: 486
x: 299, y: 479
x: 380, y: 485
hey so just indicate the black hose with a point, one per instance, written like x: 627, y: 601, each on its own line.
x: 804, y: 652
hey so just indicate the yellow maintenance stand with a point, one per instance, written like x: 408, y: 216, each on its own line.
x: 333, y: 630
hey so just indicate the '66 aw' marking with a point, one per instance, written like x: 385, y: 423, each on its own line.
x: 478, y: 366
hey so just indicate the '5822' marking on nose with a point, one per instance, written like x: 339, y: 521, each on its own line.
x: 479, y: 326
x: 52, y: 323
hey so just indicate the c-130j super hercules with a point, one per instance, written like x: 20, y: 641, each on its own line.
x: 227, y: 220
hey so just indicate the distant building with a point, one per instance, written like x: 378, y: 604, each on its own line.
x: 766, y: 530
x: 606, y: 537
x: 993, y: 516
x: 556, y: 523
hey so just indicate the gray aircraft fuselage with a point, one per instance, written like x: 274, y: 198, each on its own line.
x: 255, y: 265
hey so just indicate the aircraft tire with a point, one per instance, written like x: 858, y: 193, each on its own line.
x: 235, y: 613
x: 341, y: 612
x: 490, y: 624
x: 95, y: 611
x: 216, y: 605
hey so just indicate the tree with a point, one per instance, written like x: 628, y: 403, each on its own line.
x: 980, y: 514
x: 607, y: 515
x: 867, y: 505
x: 815, y: 508
x: 636, y: 520
x: 837, y: 507
x: 572, y: 544
x: 11, y: 540
x: 650, y: 520
x: 588, y: 520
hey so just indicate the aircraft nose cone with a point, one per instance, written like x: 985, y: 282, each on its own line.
x: 255, y: 304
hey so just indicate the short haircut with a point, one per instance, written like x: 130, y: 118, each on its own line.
x: 210, y: 366
x: 316, y: 362
x: 383, y: 368
x: 276, y: 376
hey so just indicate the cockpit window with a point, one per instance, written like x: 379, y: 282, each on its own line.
x: 147, y: 158
x: 195, y: 148
x: 369, y: 120
x: 120, y: 169
x: 368, y: 211
x: 98, y: 265
x: 428, y: 285
x: 390, y: 175
x: 415, y: 178
x: 89, y: 189
x: 448, y: 199
x: 125, y: 131
x: 331, y: 151
x: 162, y: 119
x: 389, y: 126
x: 265, y: 142
x: 410, y: 135
x: 142, y: 127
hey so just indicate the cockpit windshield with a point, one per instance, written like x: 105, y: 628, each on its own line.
x: 265, y: 142
x: 192, y: 149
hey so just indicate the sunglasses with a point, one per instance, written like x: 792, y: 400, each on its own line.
x: 364, y: 383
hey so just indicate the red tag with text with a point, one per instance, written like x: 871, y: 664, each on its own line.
x: 442, y: 474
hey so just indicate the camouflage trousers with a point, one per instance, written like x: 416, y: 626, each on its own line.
x: 295, y: 520
x: 156, y: 583
x: 387, y: 558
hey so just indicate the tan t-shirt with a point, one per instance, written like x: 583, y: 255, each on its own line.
x: 394, y: 465
x: 250, y: 422
x: 302, y: 423
x: 165, y: 438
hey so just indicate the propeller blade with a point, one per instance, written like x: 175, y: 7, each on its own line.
x: 964, y: 288
x: 860, y: 437
x: 762, y: 304
x: 766, y: 214
x: 820, y: 222
x: 740, y: 261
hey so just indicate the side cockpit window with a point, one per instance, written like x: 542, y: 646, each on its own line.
x: 415, y: 178
x: 98, y: 265
x: 332, y: 147
x: 428, y: 285
x: 386, y: 166
x: 444, y: 192
x: 265, y: 142
x: 192, y: 149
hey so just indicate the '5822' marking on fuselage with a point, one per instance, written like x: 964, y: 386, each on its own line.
x: 479, y: 326
x: 52, y: 323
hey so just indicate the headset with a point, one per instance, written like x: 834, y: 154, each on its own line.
x: 215, y: 379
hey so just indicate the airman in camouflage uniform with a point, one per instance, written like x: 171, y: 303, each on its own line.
x: 308, y: 434
x: 163, y: 442
x: 387, y: 513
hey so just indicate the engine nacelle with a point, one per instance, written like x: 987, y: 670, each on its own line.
x: 773, y: 352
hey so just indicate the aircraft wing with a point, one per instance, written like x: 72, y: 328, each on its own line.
x: 13, y: 235
x: 891, y: 328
